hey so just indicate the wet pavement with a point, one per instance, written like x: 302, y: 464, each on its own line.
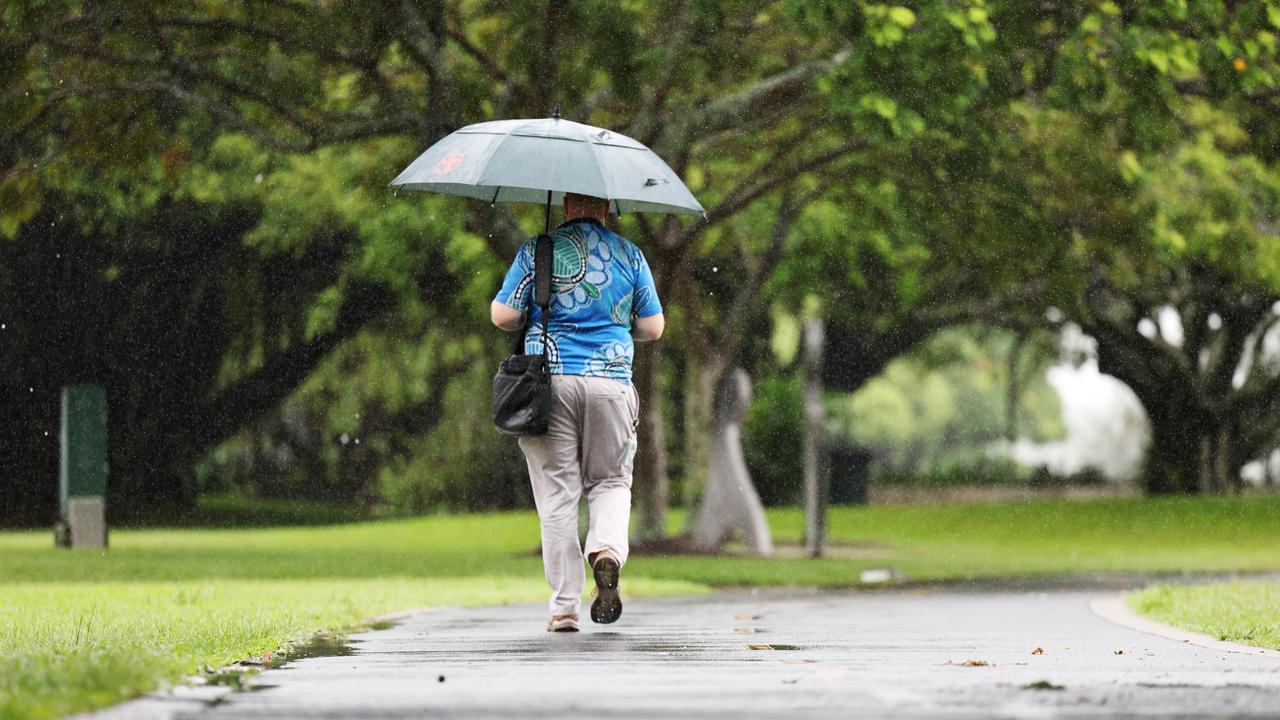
x: 881, y: 654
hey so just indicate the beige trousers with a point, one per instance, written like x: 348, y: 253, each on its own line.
x: 589, y: 448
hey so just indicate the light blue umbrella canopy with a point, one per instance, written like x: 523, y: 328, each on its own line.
x: 538, y: 161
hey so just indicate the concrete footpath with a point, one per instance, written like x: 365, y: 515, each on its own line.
x: 924, y: 653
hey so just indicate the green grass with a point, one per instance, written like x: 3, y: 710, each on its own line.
x: 235, y: 511
x: 84, y: 629
x: 1243, y: 612
x: 970, y: 541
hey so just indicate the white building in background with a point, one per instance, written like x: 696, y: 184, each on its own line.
x: 1106, y: 427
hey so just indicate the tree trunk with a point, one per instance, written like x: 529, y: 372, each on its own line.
x: 816, y: 481
x: 1204, y: 426
x: 730, y: 504
x: 650, y: 487
x: 1173, y: 460
x: 1015, y: 388
x: 700, y: 379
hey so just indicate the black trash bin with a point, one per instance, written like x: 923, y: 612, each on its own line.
x: 850, y: 467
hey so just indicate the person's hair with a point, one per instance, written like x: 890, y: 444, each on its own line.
x: 588, y: 203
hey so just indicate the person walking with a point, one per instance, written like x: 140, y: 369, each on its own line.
x: 603, y: 299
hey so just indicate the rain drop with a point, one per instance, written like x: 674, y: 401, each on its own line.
x: 715, y: 268
x: 344, y: 439
x: 357, y: 441
x: 258, y: 178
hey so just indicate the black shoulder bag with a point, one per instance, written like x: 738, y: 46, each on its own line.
x: 522, y: 387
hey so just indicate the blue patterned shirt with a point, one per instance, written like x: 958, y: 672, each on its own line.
x: 599, y: 282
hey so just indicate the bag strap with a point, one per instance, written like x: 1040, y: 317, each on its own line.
x: 543, y: 250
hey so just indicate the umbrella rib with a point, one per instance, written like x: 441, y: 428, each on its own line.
x: 493, y: 150
x: 604, y: 177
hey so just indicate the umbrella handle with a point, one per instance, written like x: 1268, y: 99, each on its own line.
x: 547, y: 225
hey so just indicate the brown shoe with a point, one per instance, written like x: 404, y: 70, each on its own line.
x: 563, y: 623
x: 607, y: 606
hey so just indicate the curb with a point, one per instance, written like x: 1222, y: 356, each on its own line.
x: 1113, y: 609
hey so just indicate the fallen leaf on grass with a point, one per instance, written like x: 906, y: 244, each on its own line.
x: 1038, y: 651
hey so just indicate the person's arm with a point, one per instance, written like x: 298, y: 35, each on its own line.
x: 647, y: 320
x: 645, y: 329
x: 506, y: 317
x: 507, y: 311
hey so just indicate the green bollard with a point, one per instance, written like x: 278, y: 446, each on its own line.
x: 83, y: 476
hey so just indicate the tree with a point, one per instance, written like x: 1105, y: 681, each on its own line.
x: 1182, y: 290
x: 1153, y: 151
x: 195, y: 318
x: 300, y: 78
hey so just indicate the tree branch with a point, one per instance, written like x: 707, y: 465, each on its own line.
x: 494, y: 69
x: 743, y: 305
x: 422, y: 38
x: 266, y: 387
x: 227, y: 26
x: 764, y: 180
x: 990, y: 309
x: 727, y: 111
x: 644, y: 125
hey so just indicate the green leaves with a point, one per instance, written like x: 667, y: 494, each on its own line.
x: 887, y: 25
x: 902, y: 16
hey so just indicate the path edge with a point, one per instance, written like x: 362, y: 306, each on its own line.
x: 185, y: 697
x: 1113, y: 609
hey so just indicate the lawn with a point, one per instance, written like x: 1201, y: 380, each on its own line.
x: 84, y: 629
x: 1243, y: 612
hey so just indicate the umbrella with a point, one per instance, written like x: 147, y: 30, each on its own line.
x: 539, y: 160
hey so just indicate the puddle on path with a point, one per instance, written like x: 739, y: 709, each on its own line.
x: 239, y: 677
x: 323, y: 645
x: 318, y: 646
